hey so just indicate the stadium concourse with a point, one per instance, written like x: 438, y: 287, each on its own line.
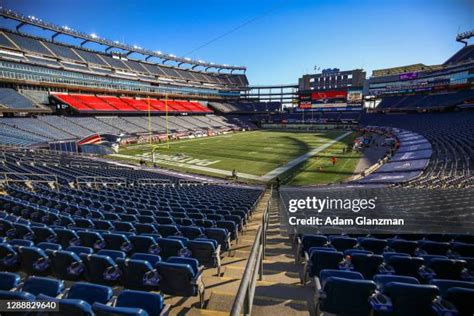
x: 94, y: 236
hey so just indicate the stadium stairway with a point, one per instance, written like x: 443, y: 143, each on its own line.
x: 280, y: 292
x: 222, y: 290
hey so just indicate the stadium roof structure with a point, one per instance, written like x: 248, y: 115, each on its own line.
x: 403, y: 69
x: 64, y: 30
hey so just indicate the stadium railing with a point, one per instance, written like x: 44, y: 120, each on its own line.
x: 244, y: 299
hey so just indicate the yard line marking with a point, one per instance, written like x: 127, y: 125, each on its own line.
x: 276, y: 172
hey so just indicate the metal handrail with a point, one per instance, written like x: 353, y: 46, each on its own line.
x: 254, y: 267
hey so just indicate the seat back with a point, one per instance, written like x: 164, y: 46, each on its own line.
x: 346, y: 296
x: 100, y: 269
x: 90, y: 293
x: 66, y: 265
x: 447, y: 268
x: 327, y: 273
x: 203, y: 251
x: 375, y: 245
x: 411, y: 299
x: 445, y: 285
x: 324, y: 260
x: 34, y: 261
x: 343, y: 243
x: 133, y: 273
x: 366, y: 264
x: 42, y: 285
x: 152, y: 303
x: 462, y: 299
x: 9, y: 281
x: 408, y: 266
x: 309, y: 241
x: 106, y: 310
x: 381, y: 280
x: 176, y: 279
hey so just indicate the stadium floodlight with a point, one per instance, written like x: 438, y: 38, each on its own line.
x: 93, y: 35
x: 66, y: 28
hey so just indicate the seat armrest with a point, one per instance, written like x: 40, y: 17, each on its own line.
x: 317, y: 284
x: 197, y: 279
x: 380, y: 303
x: 426, y: 273
x: 218, y: 251
x: 386, y: 269
x: 444, y: 308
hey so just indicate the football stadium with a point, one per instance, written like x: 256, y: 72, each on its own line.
x: 139, y: 182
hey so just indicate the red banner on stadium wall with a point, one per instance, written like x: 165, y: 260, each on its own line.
x: 329, y: 95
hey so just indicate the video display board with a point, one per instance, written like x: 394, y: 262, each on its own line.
x: 329, y: 99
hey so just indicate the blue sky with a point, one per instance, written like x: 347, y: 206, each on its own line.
x: 286, y: 39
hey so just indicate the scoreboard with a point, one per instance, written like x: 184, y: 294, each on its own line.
x: 336, y: 100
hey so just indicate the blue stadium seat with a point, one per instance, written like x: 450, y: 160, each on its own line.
x: 381, y: 280
x: 221, y: 235
x: 150, y: 302
x: 462, y: 299
x: 43, y: 285
x: 67, y: 237
x: 342, y: 243
x: 375, y: 245
x: 182, y: 277
x: 445, y: 285
x: 21, y: 243
x: 308, y: 241
x: 368, y: 265
x: 206, y: 252
x: 433, y: 247
x: 92, y: 240
x: 344, y: 274
x: 106, y: 310
x: 9, y: 260
x: 44, y: 234
x: 67, y: 265
x: 49, y: 246
x: 16, y: 296
x: 144, y: 244
x: 448, y: 268
x: 80, y: 250
x: 76, y: 307
x: 117, y: 242
x: 321, y: 259
x: 90, y: 293
x: 403, y: 246
x: 408, y: 266
x: 101, y: 269
x: 402, y: 298
x: 138, y: 275
x: 170, y: 247
x: 152, y: 259
x: 114, y: 254
x: 9, y: 281
x: 34, y: 261
x: 346, y: 296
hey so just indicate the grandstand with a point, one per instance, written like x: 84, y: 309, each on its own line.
x: 99, y: 235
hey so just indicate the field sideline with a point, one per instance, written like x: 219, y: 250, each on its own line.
x: 256, y: 156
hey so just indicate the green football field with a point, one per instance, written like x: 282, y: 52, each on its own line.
x: 257, y: 156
